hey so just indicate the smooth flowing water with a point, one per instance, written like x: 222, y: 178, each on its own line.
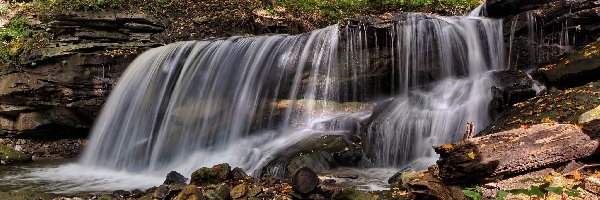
x: 442, y: 66
x: 243, y: 100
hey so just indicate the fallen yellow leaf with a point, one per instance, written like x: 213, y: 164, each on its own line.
x: 576, y: 175
x: 447, y: 147
x: 549, y: 179
x: 471, y: 155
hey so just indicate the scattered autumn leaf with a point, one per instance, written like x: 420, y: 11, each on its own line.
x: 471, y: 155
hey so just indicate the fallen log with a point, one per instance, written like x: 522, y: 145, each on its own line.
x: 305, y: 180
x: 429, y: 186
x: 494, y: 156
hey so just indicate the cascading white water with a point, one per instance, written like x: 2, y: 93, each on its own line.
x: 442, y: 65
x: 193, y: 104
x: 200, y: 98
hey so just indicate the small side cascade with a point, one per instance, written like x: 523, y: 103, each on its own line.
x: 442, y: 64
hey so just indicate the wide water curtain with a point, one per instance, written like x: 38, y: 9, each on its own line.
x: 244, y: 99
x: 202, y: 96
x: 441, y: 65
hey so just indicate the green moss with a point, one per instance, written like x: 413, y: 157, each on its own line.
x: 26, y: 195
x: 79, y: 4
x: 17, y: 40
x: 10, y: 155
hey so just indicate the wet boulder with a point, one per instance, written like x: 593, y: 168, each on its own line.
x: 137, y: 193
x: 513, y: 86
x: 160, y: 192
x: 190, y: 192
x: 167, y: 191
x: 175, y: 177
x: 174, y: 189
x: 239, y: 174
x: 318, y: 153
x: 216, y: 192
x: 319, y: 161
x: 121, y: 194
x: 214, y: 175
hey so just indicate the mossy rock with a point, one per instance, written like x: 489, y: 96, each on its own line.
x: 576, y: 67
x: 318, y: 153
x: 239, y: 191
x: 26, y: 195
x: 189, y: 192
x: 318, y: 161
x: 9, y: 155
x: 216, y: 192
x: 590, y: 121
x: 562, y: 106
x: 217, y: 174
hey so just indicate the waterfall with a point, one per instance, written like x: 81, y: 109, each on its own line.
x: 244, y: 100
x: 203, y: 96
x: 442, y: 65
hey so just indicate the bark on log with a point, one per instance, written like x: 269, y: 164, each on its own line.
x: 305, y: 180
x: 506, y: 153
x: 431, y: 187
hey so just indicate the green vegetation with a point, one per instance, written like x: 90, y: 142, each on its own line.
x: 335, y: 10
x: 17, y: 39
x: 540, y: 190
x: 210, y: 18
x: 78, y: 4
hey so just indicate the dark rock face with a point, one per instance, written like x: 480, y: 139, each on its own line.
x: 61, y: 88
x: 513, y: 87
x: 503, y: 8
x: 574, y: 69
x: 540, y: 30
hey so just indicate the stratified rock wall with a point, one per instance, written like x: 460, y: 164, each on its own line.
x: 60, y: 90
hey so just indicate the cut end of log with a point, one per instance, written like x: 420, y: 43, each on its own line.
x: 305, y: 180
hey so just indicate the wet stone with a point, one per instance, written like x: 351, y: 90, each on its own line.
x: 137, y: 193
x: 161, y: 192
x: 121, y: 194
x: 216, y: 174
x: 238, y: 174
x: 175, y: 177
x: 238, y: 191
